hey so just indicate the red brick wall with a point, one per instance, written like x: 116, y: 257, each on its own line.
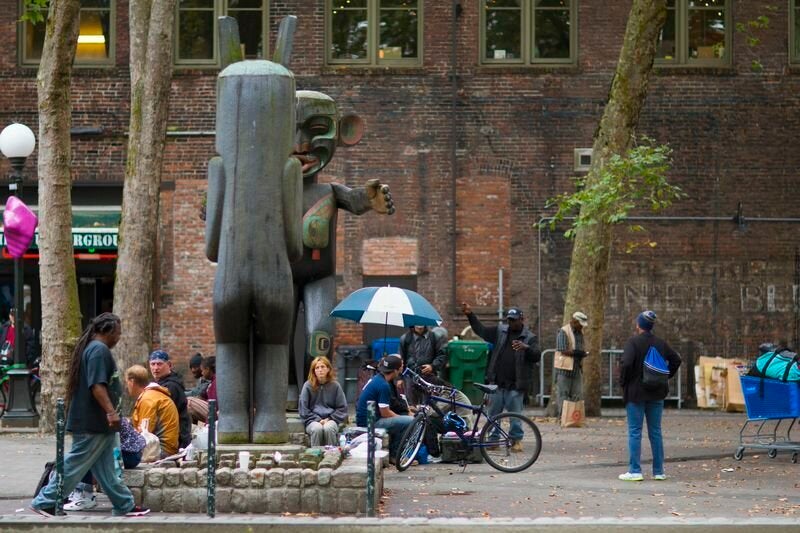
x: 718, y: 288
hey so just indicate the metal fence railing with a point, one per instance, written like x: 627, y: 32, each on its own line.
x: 611, y: 389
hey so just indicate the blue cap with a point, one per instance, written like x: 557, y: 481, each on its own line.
x: 514, y: 313
x: 160, y: 355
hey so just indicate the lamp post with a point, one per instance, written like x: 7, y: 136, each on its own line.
x: 17, y: 143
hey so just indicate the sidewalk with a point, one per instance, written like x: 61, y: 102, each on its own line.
x: 574, y: 483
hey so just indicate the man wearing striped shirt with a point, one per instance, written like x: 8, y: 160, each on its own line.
x: 569, y: 343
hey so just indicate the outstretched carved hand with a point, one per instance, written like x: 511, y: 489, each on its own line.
x: 379, y: 197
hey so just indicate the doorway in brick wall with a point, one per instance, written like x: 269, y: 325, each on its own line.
x: 375, y: 331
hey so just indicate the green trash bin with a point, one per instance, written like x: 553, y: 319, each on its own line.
x: 468, y: 361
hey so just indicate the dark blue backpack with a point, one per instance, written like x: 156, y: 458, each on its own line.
x: 655, y: 370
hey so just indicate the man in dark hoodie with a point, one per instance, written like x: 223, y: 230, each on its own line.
x: 161, y: 368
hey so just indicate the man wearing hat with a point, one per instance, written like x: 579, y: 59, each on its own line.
x: 378, y: 390
x: 161, y: 368
x: 568, y: 362
x: 510, y: 365
x: 642, y: 402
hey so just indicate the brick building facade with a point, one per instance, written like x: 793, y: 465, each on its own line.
x: 472, y: 149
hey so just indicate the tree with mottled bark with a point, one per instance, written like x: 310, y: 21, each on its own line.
x: 151, y: 31
x: 61, y: 320
x: 591, y: 253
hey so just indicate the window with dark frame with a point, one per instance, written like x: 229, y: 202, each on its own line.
x: 95, y: 41
x: 528, y: 32
x: 196, y: 29
x: 374, y: 32
x: 697, y: 32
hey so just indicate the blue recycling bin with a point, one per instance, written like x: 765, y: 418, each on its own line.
x: 385, y: 346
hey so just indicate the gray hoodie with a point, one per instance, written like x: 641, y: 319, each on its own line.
x: 327, y: 401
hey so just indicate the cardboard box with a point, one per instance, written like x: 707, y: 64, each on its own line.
x: 712, y: 383
x: 734, y: 397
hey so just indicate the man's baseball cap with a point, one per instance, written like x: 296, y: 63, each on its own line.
x: 514, y: 313
x: 582, y: 319
x: 391, y: 362
x: 159, y: 355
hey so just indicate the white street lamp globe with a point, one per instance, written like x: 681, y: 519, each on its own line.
x: 17, y: 140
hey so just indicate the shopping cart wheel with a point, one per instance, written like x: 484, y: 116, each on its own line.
x: 794, y: 457
x: 772, y: 453
x: 739, y: 453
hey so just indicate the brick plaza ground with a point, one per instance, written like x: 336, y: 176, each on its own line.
x: 574, y: 483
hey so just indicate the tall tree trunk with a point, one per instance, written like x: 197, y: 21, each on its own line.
x: 591, y: 253
x: 151, y: 28
x: 61, y: 321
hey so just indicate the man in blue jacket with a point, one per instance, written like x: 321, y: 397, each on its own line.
x: 511, y: 363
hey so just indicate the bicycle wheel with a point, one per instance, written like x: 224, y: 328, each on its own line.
x: 410, y: 442
x: 507, y: 454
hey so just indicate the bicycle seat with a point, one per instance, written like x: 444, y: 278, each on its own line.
x: 488, y: 389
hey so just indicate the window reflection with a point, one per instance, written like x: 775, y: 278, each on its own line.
x: 666, y: 39
x: 398, y: 31
x: 349, y: 34
x: 94, y: 38
x: 374, y: 31
x: 706, y: 34
x: 528, y: 30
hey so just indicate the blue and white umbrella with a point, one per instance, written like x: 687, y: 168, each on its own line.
x: 391, y: 306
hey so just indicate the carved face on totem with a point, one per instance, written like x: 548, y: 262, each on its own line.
x: 320, y: 130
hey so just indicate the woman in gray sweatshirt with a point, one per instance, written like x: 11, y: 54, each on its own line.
x: 322, y: 403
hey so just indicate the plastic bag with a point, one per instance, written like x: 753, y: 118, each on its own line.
x: 152, y: 448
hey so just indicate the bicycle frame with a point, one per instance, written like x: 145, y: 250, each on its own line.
x: 478, y: 410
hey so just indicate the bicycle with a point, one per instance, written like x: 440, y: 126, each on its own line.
x: 5, y: 383
x: 494, y: 440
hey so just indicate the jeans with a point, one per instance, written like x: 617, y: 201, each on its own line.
x: 637, y: 412
x: 395, y: 426
x: 511, y: 401
x: 93, y: 451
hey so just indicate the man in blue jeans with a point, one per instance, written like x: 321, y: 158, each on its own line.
x: 93, y: 392
x: 510, y: 365
x: 378, y: 390
x: 644, y: 402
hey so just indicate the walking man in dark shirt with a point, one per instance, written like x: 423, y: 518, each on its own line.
x: 93, y: 392
x: 511, y: 363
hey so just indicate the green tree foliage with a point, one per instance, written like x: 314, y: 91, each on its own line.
x: 635, y: 180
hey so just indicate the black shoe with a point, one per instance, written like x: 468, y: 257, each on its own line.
x: 138, y: 511
x: 47, y: 512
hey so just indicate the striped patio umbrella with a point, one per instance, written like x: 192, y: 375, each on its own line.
x: 389, y: 306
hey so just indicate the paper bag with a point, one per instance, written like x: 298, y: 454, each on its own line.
x: 564, y: 362
x: 572, y: 414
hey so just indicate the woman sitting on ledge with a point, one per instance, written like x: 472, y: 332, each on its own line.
x: 322, y: 404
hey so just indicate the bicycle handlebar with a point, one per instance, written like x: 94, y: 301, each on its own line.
x: 430, y: 388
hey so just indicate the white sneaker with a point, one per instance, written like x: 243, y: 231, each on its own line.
x: 627, y: 476
x: 660, y: 477
x: 434, y: 460
x: 83, y: 503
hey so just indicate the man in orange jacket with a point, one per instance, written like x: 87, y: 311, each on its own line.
x: 153, y: 402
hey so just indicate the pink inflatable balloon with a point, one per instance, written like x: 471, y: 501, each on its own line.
x: 19, y: 225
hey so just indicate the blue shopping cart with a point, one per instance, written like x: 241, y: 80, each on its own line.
x: 773, y: 408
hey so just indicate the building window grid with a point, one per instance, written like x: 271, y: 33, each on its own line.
x: 680, y: 15
x: 218, y: 8
x: 529, y: 11
x: 32, y: 37
x: 374, y: 10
